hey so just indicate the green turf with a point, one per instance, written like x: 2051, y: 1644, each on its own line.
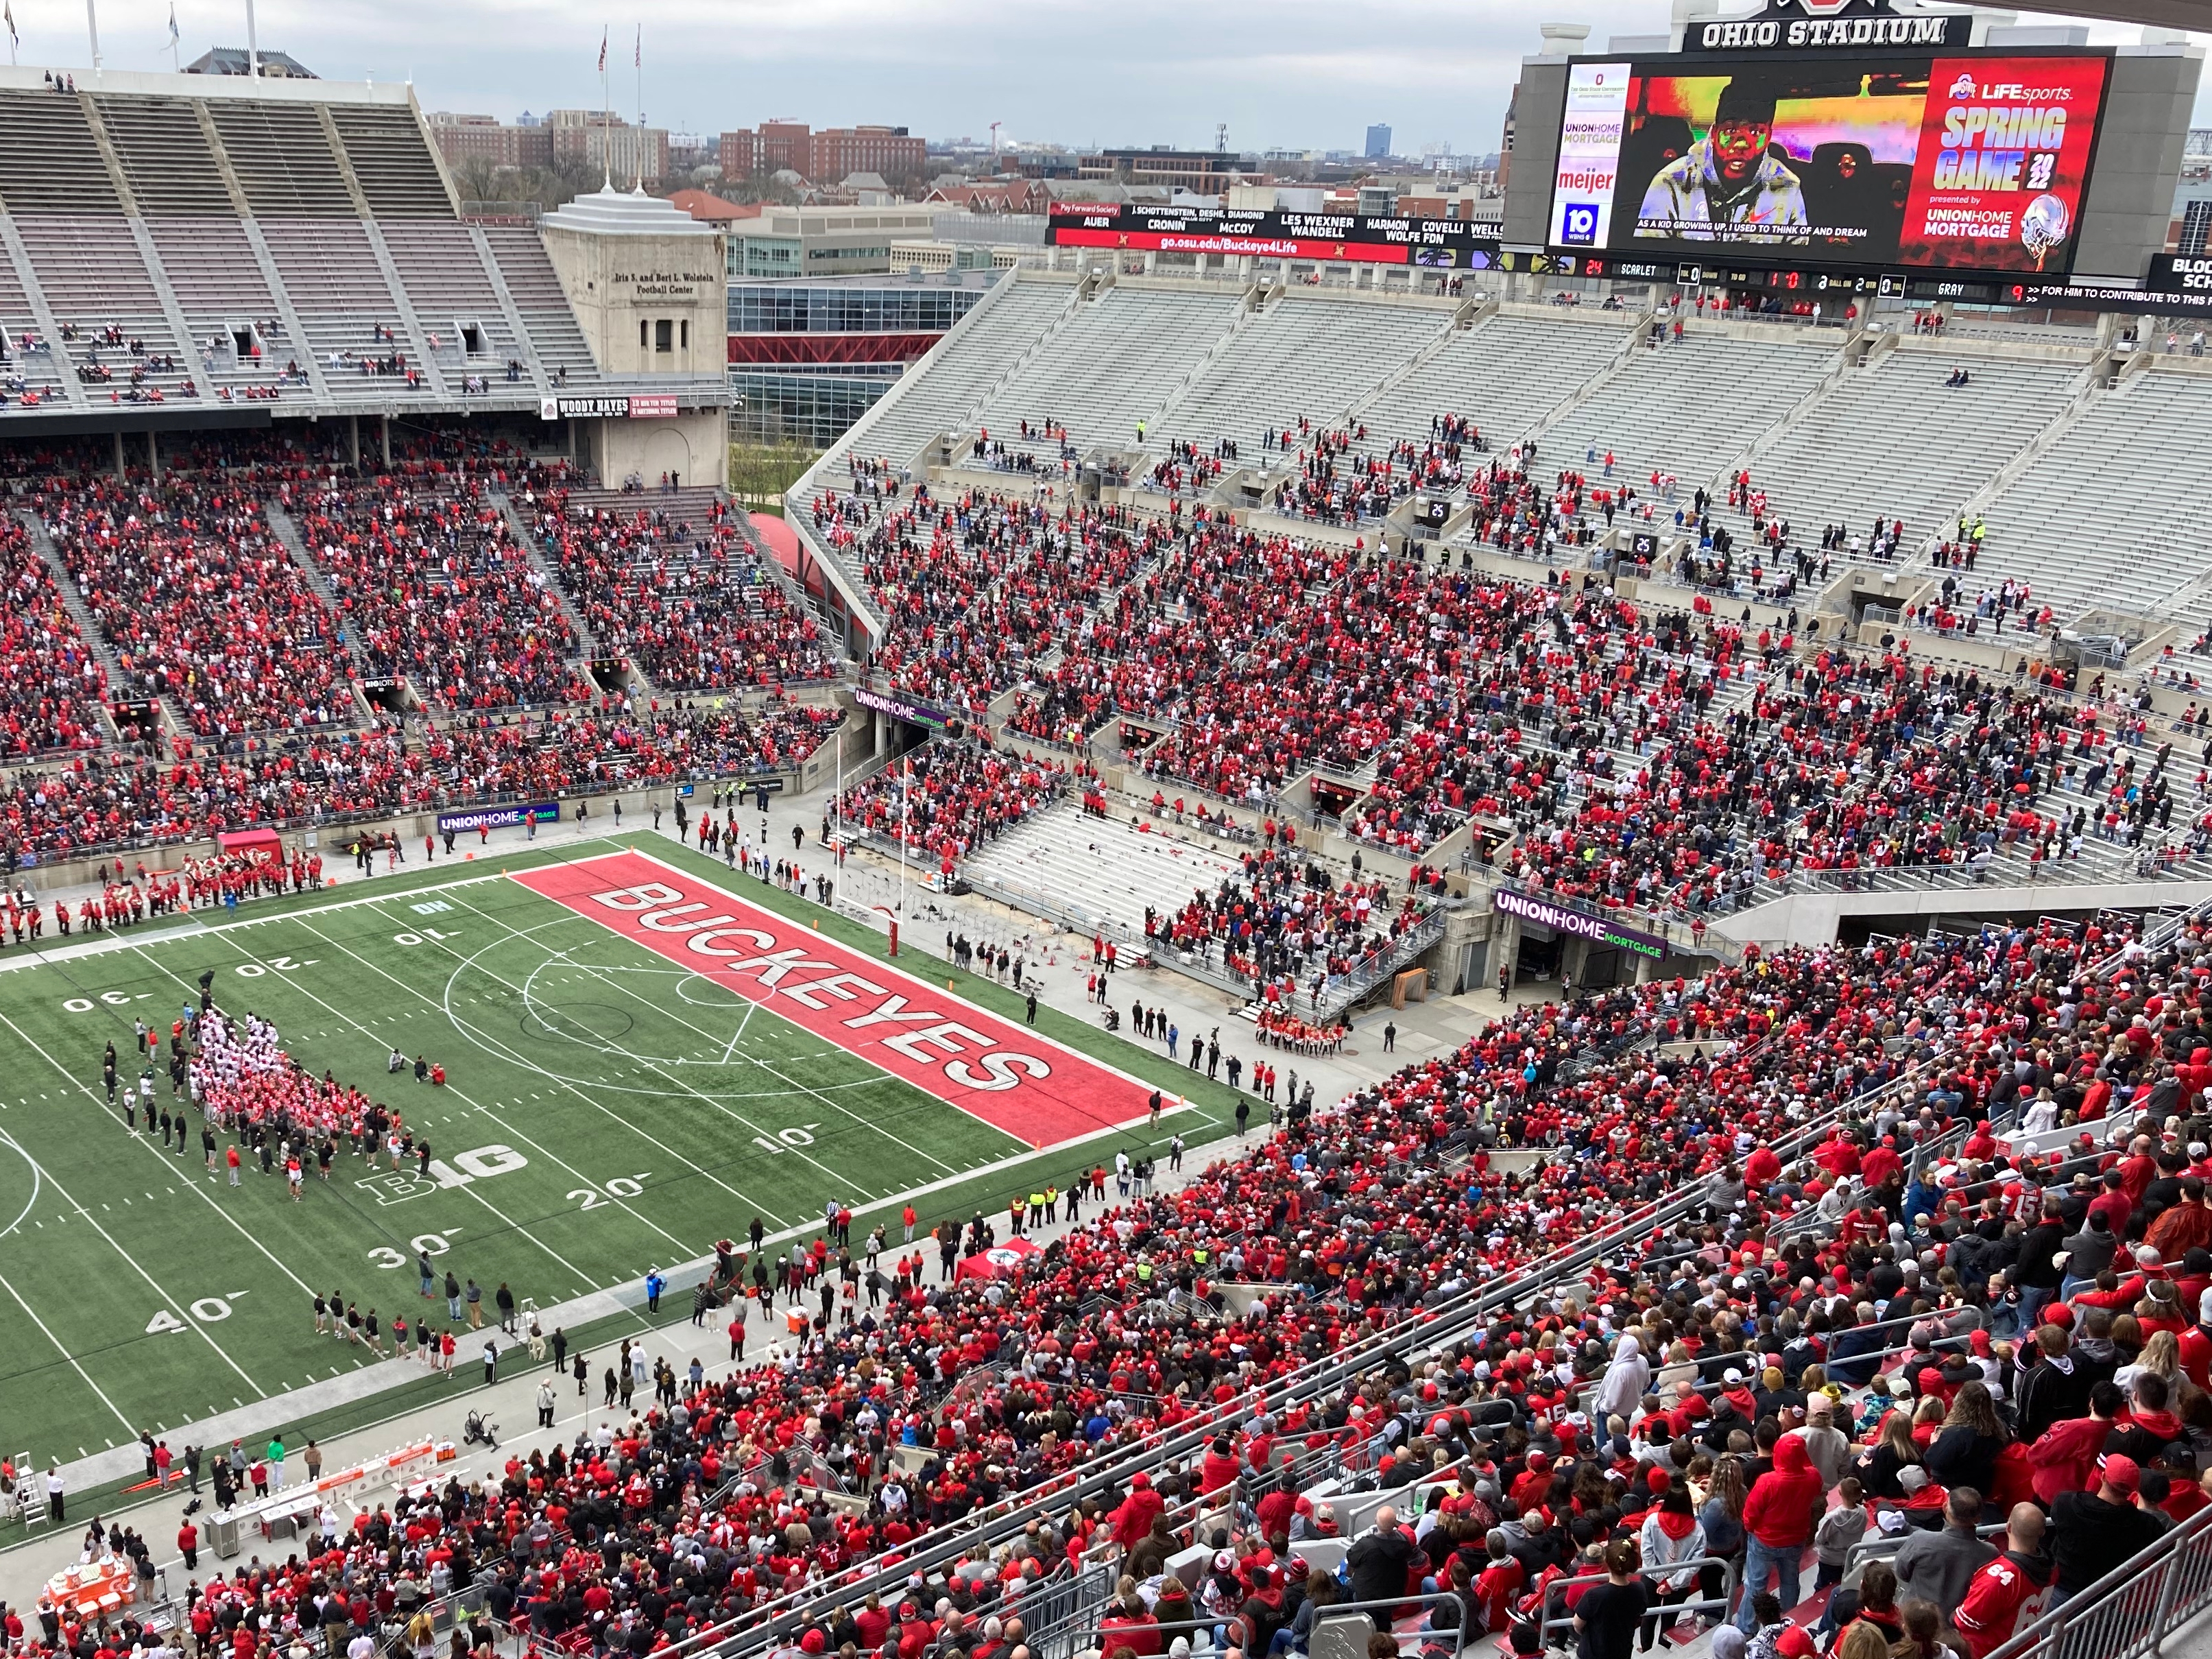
x: 642, y: 1103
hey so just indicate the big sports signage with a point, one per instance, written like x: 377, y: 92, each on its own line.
x: 1348, y: 238
x: 1829, y: 24
x: 1930, y: 162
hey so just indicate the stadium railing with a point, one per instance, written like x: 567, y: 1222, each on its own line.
x: 1422, y: 1330
x: 2133, y: 1609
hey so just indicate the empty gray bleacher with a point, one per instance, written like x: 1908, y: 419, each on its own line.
x: 49, y: 163
x: 940, y: 393
x: 339, y: 289
x: 1504, y: 375
x: 451, y: 290
x: 1113, y: 364
x: 528, y: 273
x: 1104, y: 867
x: 39, y: 368
x: 2110, y: 515
x: 392, y: 161
x: 1301, y: 357
x: 282, y: 160
x: 219, y: 288
x: 1891, y: 439
x: 94, y: 277
x: 165, y: 157
x: 1689, y: 407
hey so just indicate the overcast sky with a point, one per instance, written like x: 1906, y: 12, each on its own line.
x: 1293, y: 73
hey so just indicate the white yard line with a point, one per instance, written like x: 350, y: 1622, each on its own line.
x: 129, y: 1428
x: 173, y: 1306
x: 785, y: 1077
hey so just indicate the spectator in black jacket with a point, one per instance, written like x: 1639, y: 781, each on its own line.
x: 1380, y: 1562
x: 2052, y: 1388
x: 2091, y: 1533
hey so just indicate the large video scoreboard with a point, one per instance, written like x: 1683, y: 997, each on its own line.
x: 1909, y: 161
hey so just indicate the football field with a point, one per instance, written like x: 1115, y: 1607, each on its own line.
x: 644, y: 1052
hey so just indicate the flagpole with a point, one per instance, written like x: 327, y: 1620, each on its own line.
x: 606, y: 119
x: 637, y: 58
x: 91, y: 25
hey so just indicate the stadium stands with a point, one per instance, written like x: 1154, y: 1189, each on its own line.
x: 1112, y: 365
x: 1298, y: 357
x: 1002, y: 1459
x: 1885, y: 417
x: 1504, y: 375
x: 2144, y: 556
x: 200, y: 240
x: 986, y: 348
x: 428, y: 580
x: 1688, y: 408
x: 1729, y: 1172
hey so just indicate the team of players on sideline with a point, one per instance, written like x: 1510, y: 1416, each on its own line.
x: 1895, y: 1335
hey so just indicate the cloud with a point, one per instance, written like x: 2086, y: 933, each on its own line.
x: 1297, y: 74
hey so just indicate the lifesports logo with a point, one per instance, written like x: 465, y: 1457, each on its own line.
x: 1578, y: 224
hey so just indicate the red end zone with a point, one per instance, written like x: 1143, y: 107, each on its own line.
x: 1007, y: 1075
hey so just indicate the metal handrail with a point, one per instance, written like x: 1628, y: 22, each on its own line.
x: 1434, y: 1326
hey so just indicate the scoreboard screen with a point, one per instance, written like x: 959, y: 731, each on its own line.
x: 1440, y: 244
x: 1966, y: 159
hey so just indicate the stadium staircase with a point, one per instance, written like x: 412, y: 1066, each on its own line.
x: 527, y: 539
x: 510, y: 314
x: 295, y: 329
x: 89, y: 631
x: 419, y: 348
x: 285, y: 529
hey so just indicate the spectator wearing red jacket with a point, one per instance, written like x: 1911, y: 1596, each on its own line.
x: 1778, y: 1517
x: 1132, y: 1519
x: 2065, y: 1456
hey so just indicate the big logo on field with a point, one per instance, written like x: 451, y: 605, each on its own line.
x: 1003, y: 1073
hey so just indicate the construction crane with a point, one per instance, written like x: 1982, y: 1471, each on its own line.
x: 1221, y: 135
x: 994, y: 137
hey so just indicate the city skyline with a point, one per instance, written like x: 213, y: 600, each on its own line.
x: 1436, y: 75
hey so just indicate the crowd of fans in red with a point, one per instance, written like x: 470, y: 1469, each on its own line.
x: 115, y: 799
x: 691, y: 605
x: 1700, y: 1386
x: 52, y: 686
x: 1286, y: 921
x: 200, y: 601
x: 431, y: 584
x: 949, y: 796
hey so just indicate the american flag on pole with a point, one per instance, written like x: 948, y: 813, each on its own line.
x: 603, y: 52
x: 637, y: 59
